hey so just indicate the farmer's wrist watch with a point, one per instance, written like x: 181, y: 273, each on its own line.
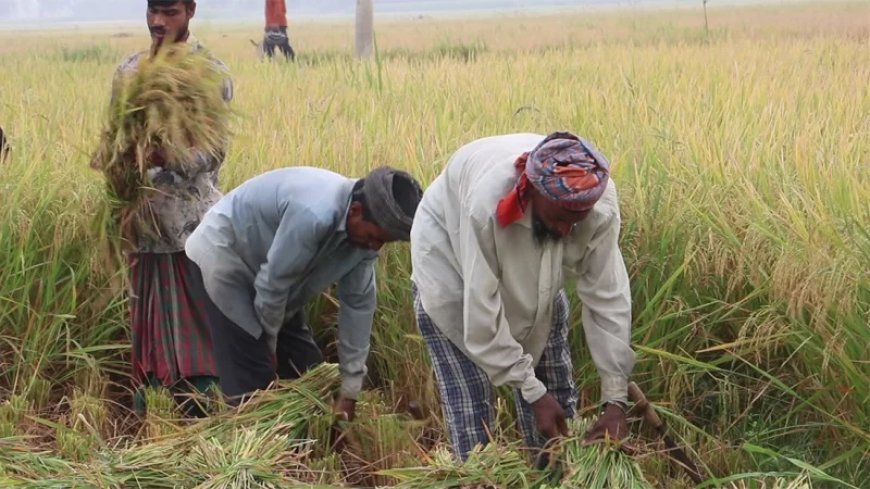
x: 619, y: 404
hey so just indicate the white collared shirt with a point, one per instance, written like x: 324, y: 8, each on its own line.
x: 490, y: 290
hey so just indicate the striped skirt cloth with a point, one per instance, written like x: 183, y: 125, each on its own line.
x: 171, y: 339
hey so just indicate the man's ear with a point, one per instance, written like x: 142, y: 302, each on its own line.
x: 191, y: 9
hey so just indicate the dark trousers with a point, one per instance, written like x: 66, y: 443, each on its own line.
x: 277, y: 38
x: 246, y: 364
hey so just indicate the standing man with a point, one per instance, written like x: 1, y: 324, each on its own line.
x: 171, y: 340
x: 497, y: 234
x: 275, y: 243
x: 276, y: 30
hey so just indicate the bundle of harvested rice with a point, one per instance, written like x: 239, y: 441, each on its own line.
x: 262, y: 444
x: 170, y: 114
x: 598, y: 465
x: 801, y: 481
x: 492, y: 466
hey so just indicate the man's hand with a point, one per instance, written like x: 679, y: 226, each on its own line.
x: 611, y: 424
x: 550, y: 417
x: 345, y: 408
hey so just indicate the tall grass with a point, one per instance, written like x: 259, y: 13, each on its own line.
x: 742, y: 158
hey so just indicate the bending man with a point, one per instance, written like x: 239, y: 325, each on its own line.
x: 498, y: 232
x: 276, y: 242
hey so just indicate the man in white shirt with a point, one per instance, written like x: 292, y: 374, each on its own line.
x: 496, y: 235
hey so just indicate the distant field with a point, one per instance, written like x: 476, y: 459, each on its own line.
x: 742, y: 158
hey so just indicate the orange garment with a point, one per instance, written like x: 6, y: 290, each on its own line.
x: 276, y: 13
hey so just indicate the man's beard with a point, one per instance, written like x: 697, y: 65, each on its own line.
x: 166, y: 41
x: 543, y: 234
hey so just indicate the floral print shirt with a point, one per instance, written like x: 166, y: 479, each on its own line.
x: 177, y: 201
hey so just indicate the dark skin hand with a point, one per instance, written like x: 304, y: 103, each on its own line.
x: 344, y: 408
x: 611, y: 424
x: 550, y: 417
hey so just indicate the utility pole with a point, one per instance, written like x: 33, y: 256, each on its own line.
x: 706, y: 24
x: 365, y: 30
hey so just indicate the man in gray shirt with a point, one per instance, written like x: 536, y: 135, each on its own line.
x: 276, y: 242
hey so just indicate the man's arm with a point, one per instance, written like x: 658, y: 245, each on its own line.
x: 295, y: 245
x: 603, y: 288
x: 357, y: 297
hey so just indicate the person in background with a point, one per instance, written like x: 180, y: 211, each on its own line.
x: 276, y: 30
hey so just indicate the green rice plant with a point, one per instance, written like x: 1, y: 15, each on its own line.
x: 12, y: 413
x: 39, y: 393
x: 101, y: 53
x: 463, y: 52
x: 378, y: 439
x: 75, y: 444
x: 161, y: 412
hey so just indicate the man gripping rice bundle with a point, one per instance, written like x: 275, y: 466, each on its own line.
x: 161, y: 152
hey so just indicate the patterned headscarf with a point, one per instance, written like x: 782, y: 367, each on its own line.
x: 563, y: 168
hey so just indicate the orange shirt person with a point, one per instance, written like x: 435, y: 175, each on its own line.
x: 276, y: 30
x: 276, y: 14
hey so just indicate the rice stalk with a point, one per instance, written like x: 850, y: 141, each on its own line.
x: 803, y: 481
x: 12, y: 413
x: 262, y: 444
x: 491, y: 466
x: 161, y: 410
x: 598, y: 465
x: 378, y: 439
x: 169, y: 114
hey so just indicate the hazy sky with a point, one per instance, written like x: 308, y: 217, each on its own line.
x: 29, y: 11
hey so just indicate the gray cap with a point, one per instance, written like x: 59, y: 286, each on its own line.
x: 392, y: 197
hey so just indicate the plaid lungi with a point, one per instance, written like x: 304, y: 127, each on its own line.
x: 171, y: 339
x: 468, y: 397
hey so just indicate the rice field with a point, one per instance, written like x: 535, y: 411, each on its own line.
x: 742, y: 157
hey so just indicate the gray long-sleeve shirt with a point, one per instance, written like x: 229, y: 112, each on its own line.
x: 276, y: 242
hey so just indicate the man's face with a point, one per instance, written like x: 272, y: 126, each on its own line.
x: 551, y: 222
x: 168, y: 22
x: 364, y: 233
